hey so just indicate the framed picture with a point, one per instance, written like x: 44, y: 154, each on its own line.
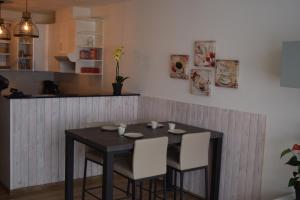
x: 205, y: 53
x: 227, y: 72
x: 200, y: 82
x: 179, y: 65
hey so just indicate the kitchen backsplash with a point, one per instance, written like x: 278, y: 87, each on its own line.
x: 31, y: 82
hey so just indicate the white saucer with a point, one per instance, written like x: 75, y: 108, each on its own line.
x: 109, y: 128
x: 177, y: 131
x: 134, y: 135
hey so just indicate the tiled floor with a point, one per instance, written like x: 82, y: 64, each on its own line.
x: 56, y: 191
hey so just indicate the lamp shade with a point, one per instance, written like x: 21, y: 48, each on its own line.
x: 4, y: 32
x: 26, y: 28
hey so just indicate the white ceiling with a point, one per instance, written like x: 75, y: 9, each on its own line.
x: 52, y: 5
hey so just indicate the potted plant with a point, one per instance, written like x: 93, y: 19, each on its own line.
x: 294, y: 161
x: 118, y: 84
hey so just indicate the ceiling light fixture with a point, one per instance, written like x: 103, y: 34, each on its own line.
x: 26, y: 28
x: 4, y: 32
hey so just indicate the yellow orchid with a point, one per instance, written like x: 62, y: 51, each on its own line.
x: 117, y: 56
x: 118, y: 53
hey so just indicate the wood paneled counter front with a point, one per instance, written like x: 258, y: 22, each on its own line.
x: 32, y: 144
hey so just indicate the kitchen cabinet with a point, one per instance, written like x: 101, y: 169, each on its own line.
x: 40, y: 49
x: 61, y: 43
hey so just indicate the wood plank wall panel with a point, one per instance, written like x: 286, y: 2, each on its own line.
x: 243, y: 143
x: 37, y: 134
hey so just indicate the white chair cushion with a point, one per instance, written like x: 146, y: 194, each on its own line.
x: 124, y: 166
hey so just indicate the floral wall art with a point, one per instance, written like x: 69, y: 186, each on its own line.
x: 227, y: 72
x: 206, y: 65
x: 179, y: 65
x: 205, y: 53
x: 200, y: 82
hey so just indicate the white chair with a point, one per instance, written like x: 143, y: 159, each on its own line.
x: 192, y: 155
x: 148, y: 162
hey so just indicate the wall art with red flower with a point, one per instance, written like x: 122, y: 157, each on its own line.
x: 205, y: 54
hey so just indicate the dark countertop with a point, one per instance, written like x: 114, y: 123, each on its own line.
x: 103, y: 94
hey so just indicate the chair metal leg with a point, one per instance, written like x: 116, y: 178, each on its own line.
x: 175, y: 185
x: 181, y: 185
x: 206, y: 182
x: 150, y: 189
x: 84, y: 180
x: 133, y: 190
x: 141, y: 190
x: 165, y: 188
x: 128, y: 187
x: 155, y: 189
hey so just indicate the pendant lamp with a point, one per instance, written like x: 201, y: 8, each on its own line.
x: 26, y: 28
x: 4, y: 32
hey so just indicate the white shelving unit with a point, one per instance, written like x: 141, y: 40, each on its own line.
x: 5, y: 52
x: 25, y: 53
x: 89, y: 46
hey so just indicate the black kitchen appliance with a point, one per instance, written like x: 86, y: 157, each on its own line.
x: 50, y: 87
x: 4, y: 83
x: 15, y: 93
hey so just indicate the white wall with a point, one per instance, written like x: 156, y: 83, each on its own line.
x: 251, y: 31
x: 40, y: 18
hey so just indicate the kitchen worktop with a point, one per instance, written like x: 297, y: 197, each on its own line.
x: 102, y: 94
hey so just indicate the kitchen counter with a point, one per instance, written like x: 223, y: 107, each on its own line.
x: 33, y: 133
x: 103, y: 94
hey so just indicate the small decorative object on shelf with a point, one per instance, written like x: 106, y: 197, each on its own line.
x: 117, y: 86
x: 294, y: 161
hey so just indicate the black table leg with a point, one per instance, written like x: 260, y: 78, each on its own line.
x: 69, y: 168
x: 216, y: 168
x: 107, y: 182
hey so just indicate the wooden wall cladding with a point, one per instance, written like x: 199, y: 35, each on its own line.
x: 243, y: 143
x: 37, y: 134
x: 38, y: 145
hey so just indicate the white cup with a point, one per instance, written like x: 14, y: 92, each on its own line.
x: 172, y: 126
x: 121, y: 130
x: 123, y: 125
x: 154, y: 124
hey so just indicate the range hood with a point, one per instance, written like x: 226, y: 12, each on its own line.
x: 66, y: 62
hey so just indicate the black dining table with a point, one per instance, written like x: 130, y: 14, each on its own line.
x: 110, y: 144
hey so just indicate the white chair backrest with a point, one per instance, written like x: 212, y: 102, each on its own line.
x: 194, y: 150
x: 150, y: 157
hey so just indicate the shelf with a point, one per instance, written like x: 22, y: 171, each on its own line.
x: 4, y: 54
x: 89, y: 33
x: 24, y: 58
x: 5, y: 41
x: 91, y: 60
x: 91, y: 74
x: 87, y: 47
